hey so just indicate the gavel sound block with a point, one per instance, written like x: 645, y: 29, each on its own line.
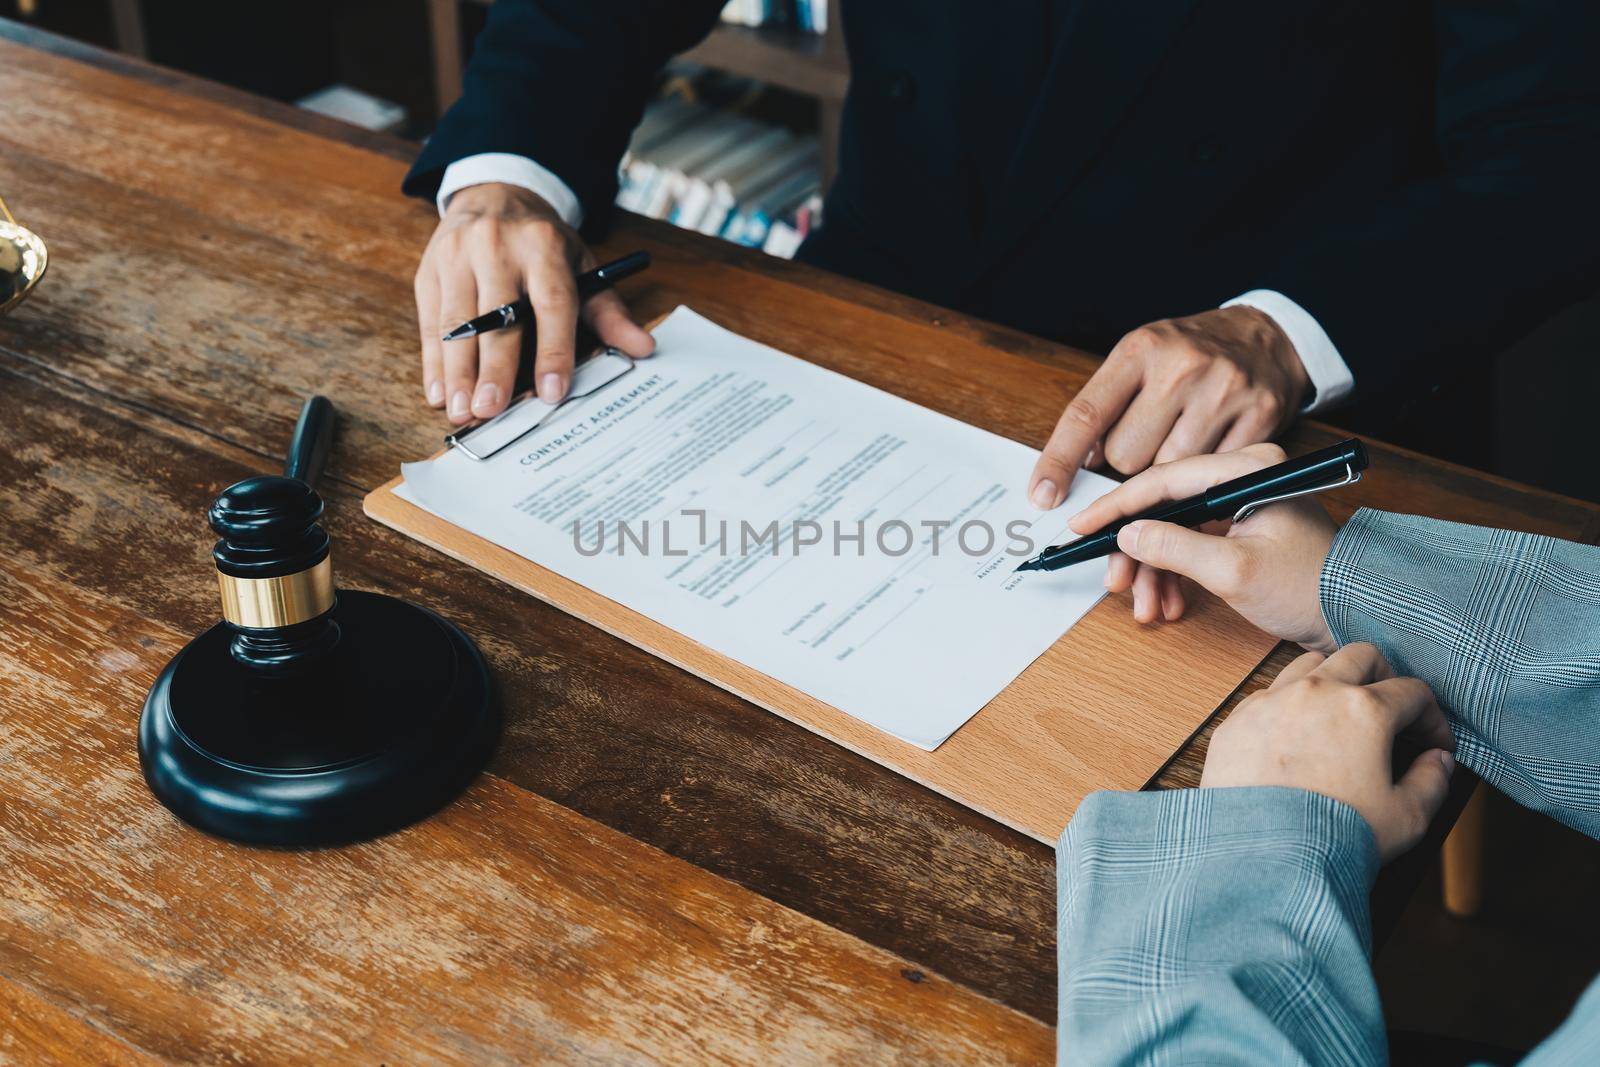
x: 310, y: 715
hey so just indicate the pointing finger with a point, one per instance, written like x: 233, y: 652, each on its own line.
x: 1084, y: 422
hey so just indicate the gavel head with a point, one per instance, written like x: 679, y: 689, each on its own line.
x: 274, y: 574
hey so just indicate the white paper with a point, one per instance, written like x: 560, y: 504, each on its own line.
x: 716, y: 442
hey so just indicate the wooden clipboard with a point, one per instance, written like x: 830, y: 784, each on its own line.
x: 1104, y: 708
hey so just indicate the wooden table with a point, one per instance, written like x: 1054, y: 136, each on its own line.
x: 652, y: 869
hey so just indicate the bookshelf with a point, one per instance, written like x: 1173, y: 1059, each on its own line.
x: 809, y: 64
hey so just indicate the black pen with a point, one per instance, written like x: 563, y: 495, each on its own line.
x: 1327, y: 468
x: 589, y: 283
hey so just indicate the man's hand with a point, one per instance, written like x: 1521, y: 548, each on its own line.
x: 494, y: 243
x: 1267, y: 568
x: 1328, y: 724
x: 1211, y: 382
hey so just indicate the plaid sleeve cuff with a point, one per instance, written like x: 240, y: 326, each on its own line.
x: 1503, y: 626
x: 1336, y: 583
x: 1197, y: 924
x: 1189, y: 837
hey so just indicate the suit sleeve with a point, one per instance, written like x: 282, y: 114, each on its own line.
x: 562, y: 82
x: 1231, y: 925
x: 1506, y: 629
x: 1503, y: 233
x: 1217, y: 926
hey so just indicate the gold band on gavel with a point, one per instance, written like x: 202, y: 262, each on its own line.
x: 259, y: 603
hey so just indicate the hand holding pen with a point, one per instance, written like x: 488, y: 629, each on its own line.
x: 590, y: 283
x: 497, y: 244
x: 1330, y: 721
x: 1267, y: 567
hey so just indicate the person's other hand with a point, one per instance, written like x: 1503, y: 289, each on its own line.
x: 1329, y: 724
x: 1211, y: 382
x: 1267, y: 567
x: 495, y: 243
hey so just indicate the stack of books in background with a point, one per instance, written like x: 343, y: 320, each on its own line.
x: 723, y: 173
x: 807, y: 16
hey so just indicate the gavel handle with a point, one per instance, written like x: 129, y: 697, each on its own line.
x: 313, y: 433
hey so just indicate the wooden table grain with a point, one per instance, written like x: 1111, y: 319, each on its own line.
x: 652, y: 869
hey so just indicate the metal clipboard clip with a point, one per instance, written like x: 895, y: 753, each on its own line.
x: 487, y: 439
x: 1351, y: 477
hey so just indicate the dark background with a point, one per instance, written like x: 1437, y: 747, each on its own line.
x: 1528, y: 420
x: 284, y: 49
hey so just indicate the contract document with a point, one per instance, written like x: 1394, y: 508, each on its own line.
x: 835, y: 537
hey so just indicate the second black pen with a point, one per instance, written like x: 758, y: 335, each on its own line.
x: 518, y: 311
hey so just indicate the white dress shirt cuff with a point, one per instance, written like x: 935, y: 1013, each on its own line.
x: 511, y: 170
x: 1331, y: 380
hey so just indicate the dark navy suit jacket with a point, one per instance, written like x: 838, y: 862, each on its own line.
x: 1420, y: 177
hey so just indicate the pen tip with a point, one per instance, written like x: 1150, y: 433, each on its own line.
x: 464, y: 330
x: 1027, y: 565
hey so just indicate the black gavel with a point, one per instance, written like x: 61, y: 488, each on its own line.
x: 273, y: 568
x: 310, y: 715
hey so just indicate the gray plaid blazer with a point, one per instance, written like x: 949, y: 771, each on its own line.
x: 1231, y: 925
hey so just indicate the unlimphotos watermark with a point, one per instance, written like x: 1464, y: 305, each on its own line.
x: 893, y: 537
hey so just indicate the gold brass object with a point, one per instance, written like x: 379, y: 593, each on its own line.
x: 23, y: 259
x: 259, y: 603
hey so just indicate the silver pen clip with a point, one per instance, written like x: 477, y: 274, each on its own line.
x: 493, y: 436
x: 1351, y: 477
